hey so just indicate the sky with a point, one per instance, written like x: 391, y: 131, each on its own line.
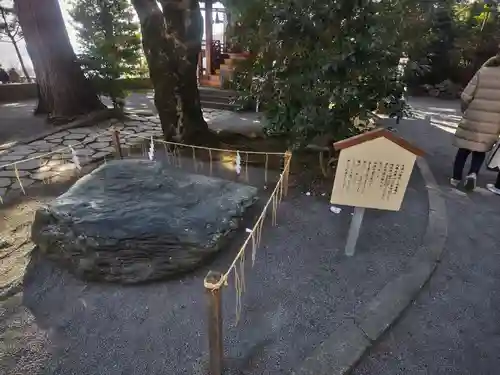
x: 8, y: 57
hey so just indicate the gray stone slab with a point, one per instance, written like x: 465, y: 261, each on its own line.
x: 41, y: 145
x: 4, y: 159
x: 336, y: 355
x: 57, y: 135
x: 132, y: 221
x: 104, y: 139
x: 99, y: 145
x: 71, y: 142
x: 89, y: 139
x: 55, y: 141
x: 101, y: 154
x: 85, y: 152
x: 21, y: 150
x: 108, y: 149
x: 29, y: 165
x: 5, y: 182
x: 40, y: 154
x: 74, y: 136
x: 25, y: 181
x: 10, y: 173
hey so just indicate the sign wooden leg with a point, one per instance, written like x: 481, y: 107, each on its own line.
x: 215, y: 347
x: 352, y: 237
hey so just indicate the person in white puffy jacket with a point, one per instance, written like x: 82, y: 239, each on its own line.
x: 480, y: 126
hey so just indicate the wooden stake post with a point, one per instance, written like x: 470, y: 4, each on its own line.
x: 215, y: 337
x: 373, y: 172
x: 286, y: 171
x: 115, y: 134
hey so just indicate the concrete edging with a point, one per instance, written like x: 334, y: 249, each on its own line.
x: 340, y: 352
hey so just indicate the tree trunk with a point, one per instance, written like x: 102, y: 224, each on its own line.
x: 172, y: 69
x: 42, y: 107
x: 63, y: 88
x: 185, y: 22
x: 160, y: 55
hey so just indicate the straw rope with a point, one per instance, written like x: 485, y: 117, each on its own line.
x: 202, y: 147
x: 254, y: 239
x: 255, y: 235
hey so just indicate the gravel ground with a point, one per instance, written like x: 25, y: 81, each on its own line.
x: 299, y: 291
x: 17, y: 121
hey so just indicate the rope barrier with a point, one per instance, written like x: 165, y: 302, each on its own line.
x: 202, y: 147
x: 254, y: 230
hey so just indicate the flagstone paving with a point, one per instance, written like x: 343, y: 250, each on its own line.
x: 44, y: 160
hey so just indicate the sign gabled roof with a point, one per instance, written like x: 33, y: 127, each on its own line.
x: 374, y: 134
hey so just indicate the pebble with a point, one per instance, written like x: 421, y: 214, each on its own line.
x: 335, y: 209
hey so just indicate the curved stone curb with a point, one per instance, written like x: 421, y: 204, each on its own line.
x: 338, y: 354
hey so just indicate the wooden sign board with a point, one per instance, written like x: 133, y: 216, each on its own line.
x: 373, y: 170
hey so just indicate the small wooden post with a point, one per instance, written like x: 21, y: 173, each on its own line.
x: 214, y: 322
x: 115, y: 133
x: 286, y: 171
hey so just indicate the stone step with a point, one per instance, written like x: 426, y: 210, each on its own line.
x: 215, y: 92
x: 218, y: 105
x: 217, y: 98
x: 209, y: 83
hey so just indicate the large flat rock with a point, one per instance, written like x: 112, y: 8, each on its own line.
x: 133, y: 220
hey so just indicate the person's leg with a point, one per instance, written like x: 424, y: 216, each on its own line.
x: 458, y: 166
x: 497, y: 183
x: 477, y: 162
x: 475, y: 165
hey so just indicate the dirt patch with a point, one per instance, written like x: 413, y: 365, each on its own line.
x: 17, y: 213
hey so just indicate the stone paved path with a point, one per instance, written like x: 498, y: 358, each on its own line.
x: 50, y: 158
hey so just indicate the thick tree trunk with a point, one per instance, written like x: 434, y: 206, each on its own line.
x: 63, y: 88
x: 161, y: 57
x: 185, y: 23
x: 173, y: 68
x: 42, y: 107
